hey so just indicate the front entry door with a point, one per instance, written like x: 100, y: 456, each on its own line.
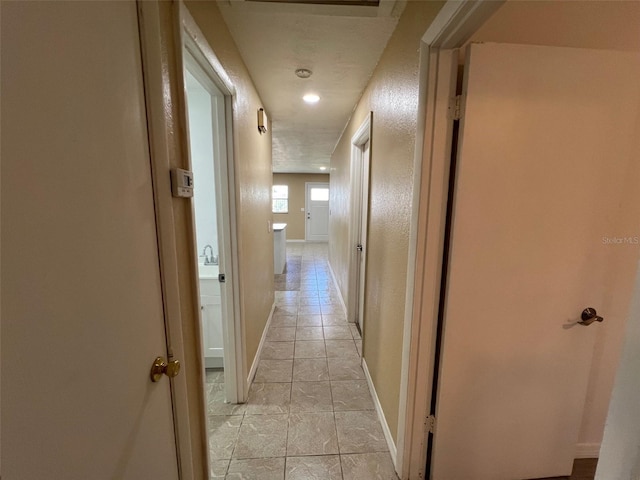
x: 82, y: 309
x: 545, y: 224
x: 317, y: 206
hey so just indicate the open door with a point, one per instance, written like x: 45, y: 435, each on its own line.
x: 82, y: 306
x: 545, y: 225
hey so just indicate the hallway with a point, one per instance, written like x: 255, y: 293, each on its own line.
x: 310, y: 414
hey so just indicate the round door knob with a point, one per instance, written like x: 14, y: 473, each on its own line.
x: 172, y: 369
x: 161, y: 366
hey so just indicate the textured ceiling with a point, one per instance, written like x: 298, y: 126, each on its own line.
x: 340, y: 44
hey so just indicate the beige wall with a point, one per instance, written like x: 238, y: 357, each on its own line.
x: 392, y: 95
x: 296, y: 217
x: 603, y: 25
x: 252, y: 153
x: 611, y: 25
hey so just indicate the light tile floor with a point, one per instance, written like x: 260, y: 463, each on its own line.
x: 310, y: 414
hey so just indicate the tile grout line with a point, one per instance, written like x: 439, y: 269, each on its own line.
x: 327, y: 304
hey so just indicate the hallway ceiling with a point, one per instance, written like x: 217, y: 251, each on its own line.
x: 340, y: 41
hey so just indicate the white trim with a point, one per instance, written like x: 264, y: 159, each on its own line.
x: 587, y: 450
x: 335, y: 284
x: 296, y: 241
x: 263, y: 339
x: 383, y: 421
x: 404, y: 403
x: 197, y: 38
x: 456, y: 22
x: 427, y: 249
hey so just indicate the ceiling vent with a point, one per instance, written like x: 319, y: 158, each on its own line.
x: 346, y: 3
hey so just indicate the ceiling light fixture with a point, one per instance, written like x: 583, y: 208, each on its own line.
x: 303, y: 73
x: 311, y: 98
x: 323, y: 168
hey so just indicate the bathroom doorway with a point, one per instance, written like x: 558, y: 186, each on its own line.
x: 208, y: 109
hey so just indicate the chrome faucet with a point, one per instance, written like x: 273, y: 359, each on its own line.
x: 208, y: 260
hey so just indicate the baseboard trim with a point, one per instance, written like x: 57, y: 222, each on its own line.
x: 588, y: 450
x: 335, y: 283
x: 295, y: 241
x: 383, y: 421
x: 256, y: 359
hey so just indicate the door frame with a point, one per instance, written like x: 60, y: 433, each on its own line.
x: 164, y: 29
x: 157, y: 83
x: 225, y: 211
x: 193, y: 40
x: 454, y: 25
x: 307, y: 187
x: 359, y: 206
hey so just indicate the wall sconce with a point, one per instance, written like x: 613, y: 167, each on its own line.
x: 262, y: 121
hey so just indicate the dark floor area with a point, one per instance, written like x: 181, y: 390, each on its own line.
x: 583, y: 469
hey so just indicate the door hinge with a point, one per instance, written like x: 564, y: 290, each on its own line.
x: 430, y: 423
x: 455, y: 108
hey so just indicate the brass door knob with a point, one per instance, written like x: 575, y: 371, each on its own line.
x: 161, y: 366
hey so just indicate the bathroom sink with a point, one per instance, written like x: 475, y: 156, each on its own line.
x: 208, y: 271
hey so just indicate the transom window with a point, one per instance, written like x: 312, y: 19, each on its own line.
x: 319, y: 194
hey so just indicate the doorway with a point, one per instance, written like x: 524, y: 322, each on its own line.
x: 207, y: 109
x: 360, y: 161
x: 525, y: 252
x: 317, y: 208
x: 481, y: 224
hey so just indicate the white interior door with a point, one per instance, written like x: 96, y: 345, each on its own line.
x: 547, y: 171
x: 317, y: 206
x: 82, y: 310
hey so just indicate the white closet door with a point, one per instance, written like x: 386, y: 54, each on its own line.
x: 547, y: 168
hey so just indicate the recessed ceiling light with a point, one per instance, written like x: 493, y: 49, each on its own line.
x: 303, y: 73
x: 323, y: 168
x: 311, y: 98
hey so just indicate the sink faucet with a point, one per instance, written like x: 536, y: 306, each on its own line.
x: 208, y: 260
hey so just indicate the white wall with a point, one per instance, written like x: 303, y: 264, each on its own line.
x: 620, y: 453
x: 201, y: 144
